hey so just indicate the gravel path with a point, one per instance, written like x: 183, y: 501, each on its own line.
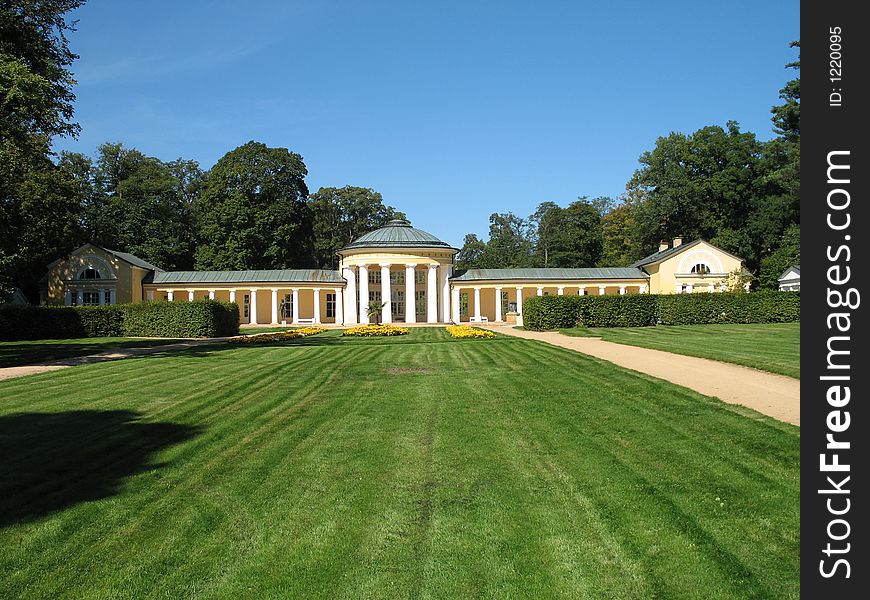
x: 113, y: 354
x: 774, y: 395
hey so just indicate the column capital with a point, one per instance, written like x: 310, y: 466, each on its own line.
x: 410, y: 265
x: 385, y: 265
x: 498, y: 287
x: 317, y: 289
x: 275, y: 290
x: 432, y: 267
x: 296, y: 290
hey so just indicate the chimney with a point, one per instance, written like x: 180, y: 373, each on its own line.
x: 677, y: 241
x: 663, y: 245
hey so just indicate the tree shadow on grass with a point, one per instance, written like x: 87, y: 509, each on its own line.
x: 53, y: 461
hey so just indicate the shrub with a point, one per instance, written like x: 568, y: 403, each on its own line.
x: 729, y: 307
x: 638, y: 310
x: 200, y: 318
x: 469, y: 332
x: 37, y: 322
x: 203, y: 318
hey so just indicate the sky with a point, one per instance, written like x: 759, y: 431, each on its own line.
x: 451, y: 110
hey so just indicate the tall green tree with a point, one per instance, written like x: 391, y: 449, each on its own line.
x: 38, y: 204
x: 509, y: 244
x: 471, y: 252
x: 340, y: 215
x: 619, y: 230
x: 253, y: 212
x: 571, y: 236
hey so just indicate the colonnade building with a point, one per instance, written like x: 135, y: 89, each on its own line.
x: 406, y: 273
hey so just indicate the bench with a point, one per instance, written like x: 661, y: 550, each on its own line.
x: 478, y: 320
x: 305, y: 321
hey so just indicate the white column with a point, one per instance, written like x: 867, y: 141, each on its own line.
x: 253, y: 311
x: 112, y: 299
x: 678, y: 288
x: 101, y: 299
x: 232, y: 295
x: 350, y: 277
x: 295, y: 292
x: 560, y: 291
x: 446, y: 312
x: 723, y: 287
x: 454, y: 302
x: 149, y: 295
x: 519, y: 301
x: 410, y: 289
x: 689, y: 288
x: 540, y: 291
x: 364, y: 294
x: 170, y: 295
x: 711, y: 288
x: 643, y: 289
x: 211, y: 294
x: 498, y: 305
x: 317, y: 306
x: 477, y: 303
x: 581, y: 291
x: 274, y: 306
x: 339, y: 307
x: 432, y: 294
x: 622, y: 290
x: 190, y: 295
x: 601, y: 289
x: 67, y: 298
x: 79, y: 298
x: 386, y: 311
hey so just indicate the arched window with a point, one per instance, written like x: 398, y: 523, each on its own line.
x: 90, y: 273
x: 701, y: 269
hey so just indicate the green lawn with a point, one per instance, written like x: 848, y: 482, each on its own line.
x: 13, y: 354
x: 773, y: 347
x: 411, y: 467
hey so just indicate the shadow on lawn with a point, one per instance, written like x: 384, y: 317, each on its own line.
x: 53, y: 461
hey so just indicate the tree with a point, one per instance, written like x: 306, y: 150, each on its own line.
x: 469, y: 255
x: 619, y: 232
x: 38, y: 205
x: 340, y: 215
x: 569, y: 237
x: 787, y: 116
x: 252, y: 212
x: 509, y: 244
x: 787, y: 254
x: 544, y: 222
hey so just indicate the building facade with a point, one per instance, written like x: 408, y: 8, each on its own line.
x: 397, y: 273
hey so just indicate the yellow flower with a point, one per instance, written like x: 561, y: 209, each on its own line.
x: 468, y: 332
x: 382, y: 329
x: 276, y: 336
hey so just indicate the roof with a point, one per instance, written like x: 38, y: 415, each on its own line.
x: 261, y: 276
x: 133, y: 259
x: 550, y: 274
x: 657, y: 257
x: 795, y: 268
x: 398, y: 233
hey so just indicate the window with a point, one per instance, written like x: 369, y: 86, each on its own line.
x: 374, y: 296
x: 374, y: 276
x: 463, y: 305
x: 420, y: 277
x: 701, y: 269
x: 397, y: 305
x: 246, y: 304
x: 107, y: 297
x: 90, y: 298
x: 89, y: 273
x: 330, y: 306
x: 505, y: 305
x: 397, y: 277
x: 287, y: 307
x: 73, y: 298
x: 420, y: 304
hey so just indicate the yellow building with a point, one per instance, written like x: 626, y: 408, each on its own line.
x: 406, y: 273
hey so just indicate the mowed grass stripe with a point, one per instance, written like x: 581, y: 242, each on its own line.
x: 418, y: 467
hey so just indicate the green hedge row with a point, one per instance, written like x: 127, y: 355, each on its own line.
x: 541, y: 313
x: 201, y: 318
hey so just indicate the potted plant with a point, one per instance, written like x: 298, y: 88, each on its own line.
x: 375, y: 310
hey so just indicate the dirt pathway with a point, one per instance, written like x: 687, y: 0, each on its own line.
x: 774, y: 395
x: 107, y: 355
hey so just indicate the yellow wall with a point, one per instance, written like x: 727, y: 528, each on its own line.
x: 125, y: 277
x: 676, y: 269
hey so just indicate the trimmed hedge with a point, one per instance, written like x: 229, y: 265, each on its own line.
x: 730, y: 307
x: 201, y: 318
x: 541, y: 313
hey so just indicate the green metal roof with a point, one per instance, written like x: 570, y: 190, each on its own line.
x: 133, y: 259
x: 261, y: 276
x: 550, y: 274
x: 398, y: 233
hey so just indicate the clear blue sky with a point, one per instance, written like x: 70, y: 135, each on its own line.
x: 451, y: 110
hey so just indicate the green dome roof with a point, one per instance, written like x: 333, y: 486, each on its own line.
x: 398, y: 233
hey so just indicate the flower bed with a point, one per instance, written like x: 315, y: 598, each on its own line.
x: 276, y: 336
x: 469, y: 332
x: 375, y: 331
